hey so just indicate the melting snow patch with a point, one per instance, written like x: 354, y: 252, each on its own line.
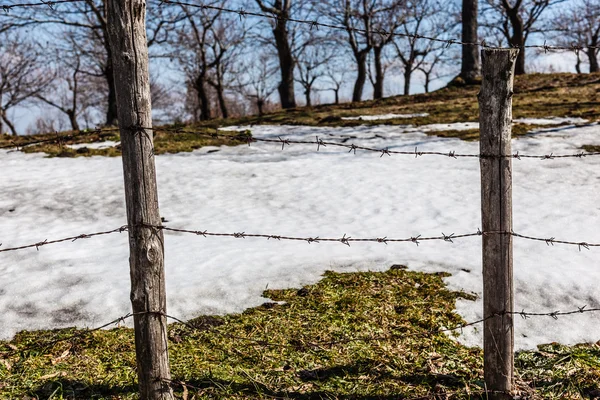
x: 96, y: 145
x: 300, y: 192
x: 551, y: 121
x: 458, y: 126
x: 384, y: 116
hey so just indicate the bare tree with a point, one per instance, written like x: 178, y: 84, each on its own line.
x: 368, y: 26
x: 86, y: 21
x: 311, y: 66
x: 516, y: 20
x: 437, y: 65
x: 470, y: 67
x: 423, y: 18
x: 256, y: 81
x: 194, y: 52
x: 282, y: 10
x: 386, y: 21
x: 336, y: 76
x: 66, y: 93
x: 580, y: 26
x: 355, y: 15
x: 228, y: 35
x: 22, y: 74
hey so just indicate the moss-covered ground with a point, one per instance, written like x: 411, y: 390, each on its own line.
x: 369, y: 335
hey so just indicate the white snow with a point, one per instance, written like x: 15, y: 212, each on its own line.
x: 456, y: 126
x: 299, y: 191
x: 384, y: 116
x: 96, y: 145
x: 551, y: 121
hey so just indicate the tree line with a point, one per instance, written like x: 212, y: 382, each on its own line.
x: 212, y: 63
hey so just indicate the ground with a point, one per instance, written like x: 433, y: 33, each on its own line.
x: 536, y: 96
x: 369, y: 335
x: 362, y: 335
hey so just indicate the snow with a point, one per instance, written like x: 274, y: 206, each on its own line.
x: 551, y: 121
x: 456, y: 126
x: 299, y: 191
x: 96, y: 145
x: 384, y: 116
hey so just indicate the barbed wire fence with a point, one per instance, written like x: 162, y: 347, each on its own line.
x: 318, y: 143
x: 315, y: 24
x: 344, y: 239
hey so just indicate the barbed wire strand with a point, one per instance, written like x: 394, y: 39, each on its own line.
x: 318, y: 142
x: 385, y: 151
x: 307, y: 345
x: 346, y: 240
x: 315, y: 24
x: 58, y: 138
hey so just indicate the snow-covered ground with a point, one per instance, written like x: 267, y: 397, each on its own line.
x: 299, y: 191
x: 385, y: 116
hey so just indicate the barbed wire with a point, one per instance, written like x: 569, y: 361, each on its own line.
x: 318, y: 142
x: 344, y: 239
x: 57, y: 138
x: 43, y: 346
x: 315, y: 24
x: 67, y: 239
x: 352, y: 148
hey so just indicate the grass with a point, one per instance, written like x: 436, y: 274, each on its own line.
x: 350, y: 336
x: 164, y: 142
x: 536, y: 96
x: 320, y: 343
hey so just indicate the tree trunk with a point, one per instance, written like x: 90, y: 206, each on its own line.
x: 127, y: 33
x: 111, y: 112
x: 520, y: 66
x: 222, y: 102
x: 361, y: 77
x: 470, y: 54
x: 593, y: 58
x: 517, y: 39
x: 73, y: 120
x: 407, y: 75
x: 378, y: 86
x: 203, y: 99
x: 259, y: 105
x: 286, y: 64
x: 427, y: 81
x: 1, y: 122
x: 337, y: 95
x: 10, y: 124
x: 307, y: 96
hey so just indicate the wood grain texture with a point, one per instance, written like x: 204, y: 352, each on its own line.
x: 127, y: 33
x: 495, y: 118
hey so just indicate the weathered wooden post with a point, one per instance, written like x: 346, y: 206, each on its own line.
x: 127, y: 37
x: 495, y: 118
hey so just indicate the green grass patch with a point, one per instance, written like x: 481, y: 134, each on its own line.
x: 350, y: 336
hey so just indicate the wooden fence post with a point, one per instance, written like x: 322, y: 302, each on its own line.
x: 127, y: 37
x: 495, y: 118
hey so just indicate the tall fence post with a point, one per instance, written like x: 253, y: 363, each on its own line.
x: 495, y: 118
x: 128, y: 43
